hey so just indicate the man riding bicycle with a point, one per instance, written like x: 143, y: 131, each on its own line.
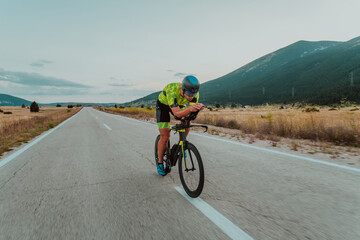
x: 172, y: 100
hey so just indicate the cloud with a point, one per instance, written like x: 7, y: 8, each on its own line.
x: 37, y: 80
x: 40, y: 63
x: 169, y: 70
x: 120, y: 85
x: 130, y: 93
x: 181, y: 75
x: 17, y: 89
x: 23, y: 83
x: 56, y: 91
x: 106, y: 93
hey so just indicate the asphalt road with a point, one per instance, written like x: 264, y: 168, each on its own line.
x: 94, y: 178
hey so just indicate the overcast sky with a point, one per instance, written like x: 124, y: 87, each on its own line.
x: 118, y: 51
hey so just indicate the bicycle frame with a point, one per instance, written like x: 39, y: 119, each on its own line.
x: 180, y: 128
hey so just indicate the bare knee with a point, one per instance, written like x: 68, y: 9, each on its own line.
x: 164, y: 135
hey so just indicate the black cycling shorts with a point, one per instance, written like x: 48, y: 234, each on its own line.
x: 163, y: 115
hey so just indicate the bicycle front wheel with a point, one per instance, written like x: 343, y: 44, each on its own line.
x: 191, y: 171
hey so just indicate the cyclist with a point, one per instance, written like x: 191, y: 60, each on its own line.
x: 173, y: 99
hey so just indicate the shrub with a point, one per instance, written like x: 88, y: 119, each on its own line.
x: 1, y: 110
x: 354, y: 109
x: 23, y: 106
x: 58, y: 105
x: 311, y: 109
x: 233, y: 124
x: 7, y: 112
x: 78, y: 105
x: 68, y: 110
x: 220, y: 122
x: 70, y: 106
x: 34, y: 107
x: 115, y: 106
x: 50, y: 124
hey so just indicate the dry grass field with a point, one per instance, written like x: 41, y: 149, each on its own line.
x: 21, y: 125
x: 339, y: 126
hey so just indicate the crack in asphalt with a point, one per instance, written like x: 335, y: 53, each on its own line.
x: 69, y: 187
x: 14, y: 174
x: 41, y: 199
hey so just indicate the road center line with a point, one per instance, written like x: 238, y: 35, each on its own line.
x: 26, y: 147
x: 107, y: 127
x: 229, y: 228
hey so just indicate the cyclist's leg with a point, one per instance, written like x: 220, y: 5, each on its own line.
x: 163, y: 122
x: 163, y: 142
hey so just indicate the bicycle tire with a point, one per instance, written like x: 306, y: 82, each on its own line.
x: 196, y: 160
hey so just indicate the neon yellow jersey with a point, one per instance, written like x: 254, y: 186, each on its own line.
x: 170, y: 96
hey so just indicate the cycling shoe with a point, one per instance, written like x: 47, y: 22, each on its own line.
x: 160, y: 169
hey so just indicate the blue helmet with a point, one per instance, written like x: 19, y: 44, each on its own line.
x: 191, y: 84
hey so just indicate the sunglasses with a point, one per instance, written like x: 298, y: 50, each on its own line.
x: 190, y: 94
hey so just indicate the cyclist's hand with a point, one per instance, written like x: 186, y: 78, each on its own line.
x: 192, y: 108
x: 195, y: 107
x: 202, y: 107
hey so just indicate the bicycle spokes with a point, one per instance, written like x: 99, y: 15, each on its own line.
x: 191, y: 171
x: 192, y: 166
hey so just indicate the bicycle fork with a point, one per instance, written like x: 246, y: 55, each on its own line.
x: 183, y: 142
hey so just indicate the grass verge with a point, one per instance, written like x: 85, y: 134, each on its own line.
x: 339, y: 128
x: 18, y: 131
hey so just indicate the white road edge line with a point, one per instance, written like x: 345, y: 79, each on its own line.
x: 109, y: 128
x: 262, y: 149
x: 283, y: 153
x: 26, y: 147
x: 229, y: 228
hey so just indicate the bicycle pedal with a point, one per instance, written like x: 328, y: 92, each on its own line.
x: 168, y: 166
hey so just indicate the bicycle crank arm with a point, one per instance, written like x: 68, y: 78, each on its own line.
x: 187, y: 170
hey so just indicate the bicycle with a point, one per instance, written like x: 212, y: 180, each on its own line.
x: 190, y: 162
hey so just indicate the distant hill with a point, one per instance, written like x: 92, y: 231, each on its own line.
x: 317, y: 72
x: 8, y: 100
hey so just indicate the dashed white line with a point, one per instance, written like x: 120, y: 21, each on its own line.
x: 229, y: 228
x: 107, y: 127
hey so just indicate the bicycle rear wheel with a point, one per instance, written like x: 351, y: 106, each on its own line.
x: 191, y: 171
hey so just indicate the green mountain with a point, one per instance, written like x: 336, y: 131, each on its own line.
x: 8, y: 100
x: 317, y: 72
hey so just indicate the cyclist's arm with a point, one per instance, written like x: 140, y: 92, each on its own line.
x: 180, y: 113
x: 183, y: 113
